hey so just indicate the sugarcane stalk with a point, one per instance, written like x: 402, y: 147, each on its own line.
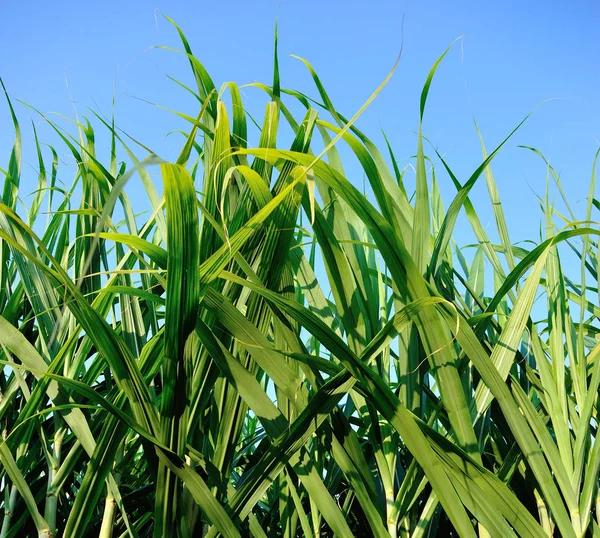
x: 110, y: 504
x: 8, y: 511
x: 51, y: 506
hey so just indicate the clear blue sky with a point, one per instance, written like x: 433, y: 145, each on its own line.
x: 514, y: 55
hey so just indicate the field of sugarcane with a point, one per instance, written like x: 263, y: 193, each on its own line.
x: 249, y: 345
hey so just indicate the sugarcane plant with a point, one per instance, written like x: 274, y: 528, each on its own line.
x: 258, y: 349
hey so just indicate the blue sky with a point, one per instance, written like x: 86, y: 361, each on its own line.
x: 514, y: 55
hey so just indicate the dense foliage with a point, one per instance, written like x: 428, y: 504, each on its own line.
x: 265, y: 352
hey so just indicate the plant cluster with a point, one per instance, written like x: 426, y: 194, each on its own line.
x: 267, y: 353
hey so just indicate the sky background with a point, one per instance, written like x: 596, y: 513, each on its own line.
x: 513, y: 56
